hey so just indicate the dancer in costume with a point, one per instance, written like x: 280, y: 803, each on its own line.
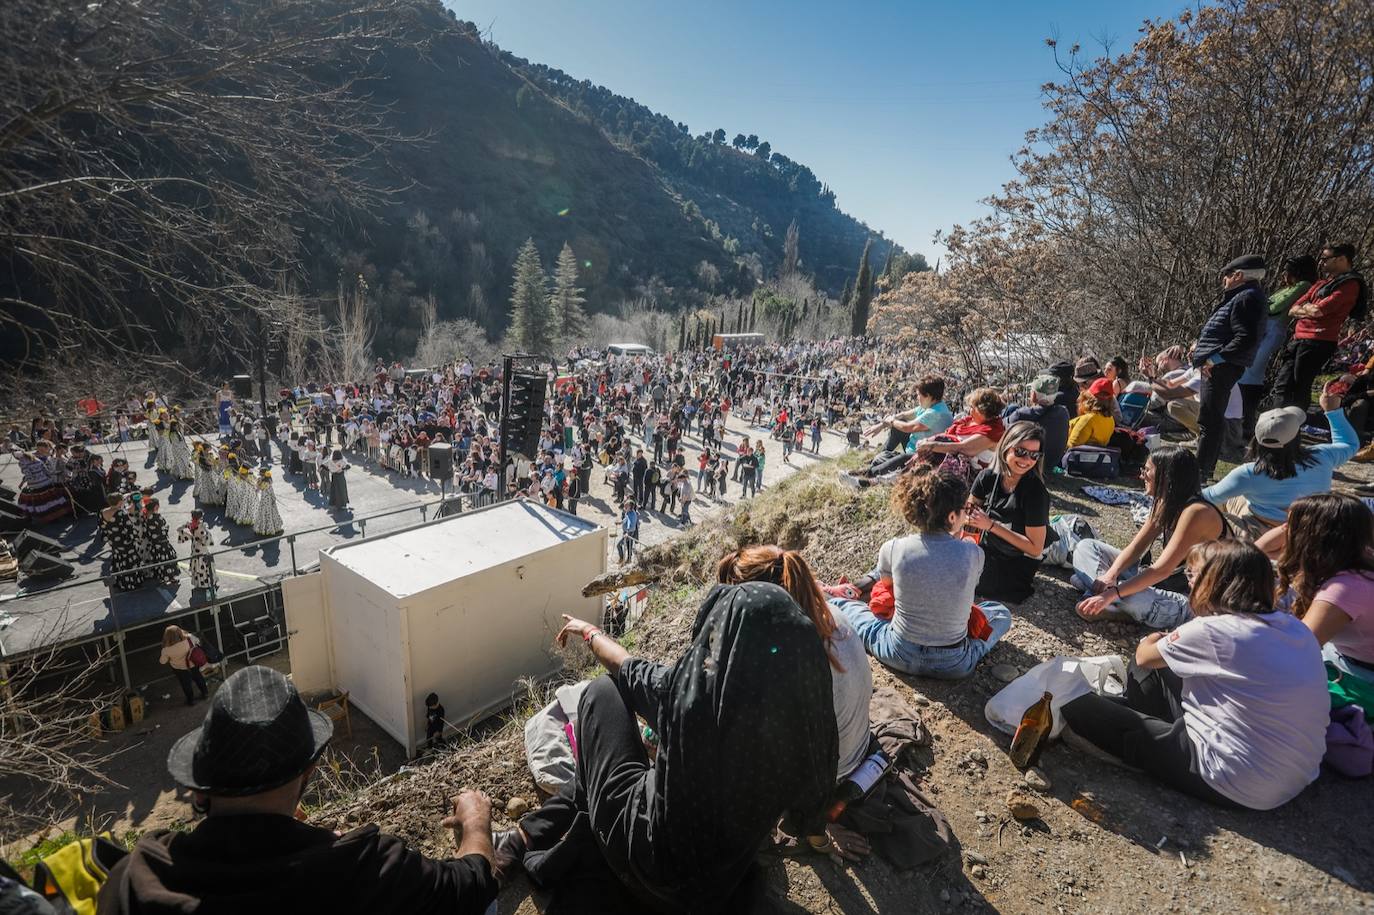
x: 41, y: 496
x: 266, y: 519
x: 164, y: 451
x: 232, y: 489
x: 338, y: 485
x: 180, y: 460
x: 248, y: 497
x: 197, y: 533
x: 160, y: 547
x: 119, y: 534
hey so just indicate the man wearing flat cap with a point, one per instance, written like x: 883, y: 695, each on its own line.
x: 1225, y: 348
x: 247, y: 766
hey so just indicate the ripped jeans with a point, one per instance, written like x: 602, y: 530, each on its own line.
x: 1152, y: 607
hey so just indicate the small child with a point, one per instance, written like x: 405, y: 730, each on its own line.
x: 434, y: 720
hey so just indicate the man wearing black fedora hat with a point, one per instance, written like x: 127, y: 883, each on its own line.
x: 1225, y: 348
x: 247, y: 767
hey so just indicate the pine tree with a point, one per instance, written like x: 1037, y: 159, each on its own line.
x: 531, y: 322
x: 863, y: 295
x: 569, y: 320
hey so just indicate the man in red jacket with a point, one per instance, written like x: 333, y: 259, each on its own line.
x: 1320, y: 313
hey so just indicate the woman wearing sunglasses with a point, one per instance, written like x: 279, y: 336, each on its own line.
x: 1011, y: 507
x: 1115, y: 587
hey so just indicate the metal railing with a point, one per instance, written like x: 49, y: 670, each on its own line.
x: 440, y: 508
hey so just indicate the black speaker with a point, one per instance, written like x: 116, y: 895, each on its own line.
x: 28, y: 541
x: 525, y: 413
x: 441, y: 461
x: 452, y: 505
x: 243, y: 387
x: 38, y: 564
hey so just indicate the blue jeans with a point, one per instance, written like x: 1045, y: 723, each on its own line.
x: 953, y: 662
x: 1153, y: 607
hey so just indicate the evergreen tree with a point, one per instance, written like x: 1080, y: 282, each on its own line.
x: 753, y: 314
x: 863, y: 295
x: 570, y: 321
x: 739, y: 318
x: 791, y: 250
x: 844, y: 296
x: 682, y: 333
x: 531, y: 321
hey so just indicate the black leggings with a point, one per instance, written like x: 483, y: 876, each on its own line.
x: 188, y: 678
x: 1145, y: 729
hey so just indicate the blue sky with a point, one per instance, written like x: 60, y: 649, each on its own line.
x: 909, y: 111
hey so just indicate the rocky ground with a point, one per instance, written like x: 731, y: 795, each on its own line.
x: 1128, y: 845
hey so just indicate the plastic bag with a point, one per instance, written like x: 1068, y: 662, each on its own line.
x: 548, y: 748
x: 1064, y: 677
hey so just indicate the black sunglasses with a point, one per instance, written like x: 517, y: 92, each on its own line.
x: 1026, y: 455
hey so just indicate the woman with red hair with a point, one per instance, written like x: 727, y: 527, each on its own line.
x: 851, y: 677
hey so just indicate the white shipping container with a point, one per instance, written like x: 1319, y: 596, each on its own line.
x: 464, y: 607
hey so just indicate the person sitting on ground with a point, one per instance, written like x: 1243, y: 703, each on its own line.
x: 1118, y: 372
x: 1230, y: 707
x: 851, y: 677
x: 1067, y: 396
x: 1326, y: 566
x: 247, y: 767
x: 1094, y: 424
x: 1050, y: 416
x: 1282, y: 469
x: 932, y: 574
x: 930, y: 416
x: 744, y: 695
x: 1113, y: 583
x: 968, y: 444
x: 1012, y: 510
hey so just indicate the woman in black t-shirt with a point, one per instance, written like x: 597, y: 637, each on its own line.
x: 1012, y: 509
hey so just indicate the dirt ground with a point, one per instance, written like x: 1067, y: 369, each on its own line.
x: 1152, y: 850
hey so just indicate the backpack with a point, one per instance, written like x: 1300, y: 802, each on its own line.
x: 1092, y: 462
x: 71, y: 877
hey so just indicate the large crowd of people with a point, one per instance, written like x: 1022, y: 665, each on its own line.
x: 1257, y: 589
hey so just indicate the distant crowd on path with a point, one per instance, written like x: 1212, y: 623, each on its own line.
x: 1260, y: 664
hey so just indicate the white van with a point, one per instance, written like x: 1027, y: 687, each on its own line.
x: 628, y: 349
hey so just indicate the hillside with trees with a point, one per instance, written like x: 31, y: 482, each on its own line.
x: 746, y: 191
x: 215, y: 177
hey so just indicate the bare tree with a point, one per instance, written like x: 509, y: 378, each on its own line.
x: 1238, y: 127
x: 163, y: 153
x: 352, y: 340
x: 45, y: 734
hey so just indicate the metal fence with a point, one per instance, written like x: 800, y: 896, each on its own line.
x: 266, y: 591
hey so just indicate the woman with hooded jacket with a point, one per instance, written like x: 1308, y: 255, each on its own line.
x: 681, y: 832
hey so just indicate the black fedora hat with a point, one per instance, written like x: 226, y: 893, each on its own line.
x: 258, y: 735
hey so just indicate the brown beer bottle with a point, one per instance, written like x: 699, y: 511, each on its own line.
x: 1032, y: 734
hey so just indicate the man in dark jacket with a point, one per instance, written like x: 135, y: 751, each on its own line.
x: 1225, y: 348
x: 247, y: 767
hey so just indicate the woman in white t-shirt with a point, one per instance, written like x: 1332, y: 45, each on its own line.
x: 1232, y: 705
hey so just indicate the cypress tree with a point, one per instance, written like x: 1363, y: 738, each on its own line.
x: 531, y: 321
x: 570, y: 321
x: 753, y: 314
x: 863, y: 295
x: 682, y: 333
